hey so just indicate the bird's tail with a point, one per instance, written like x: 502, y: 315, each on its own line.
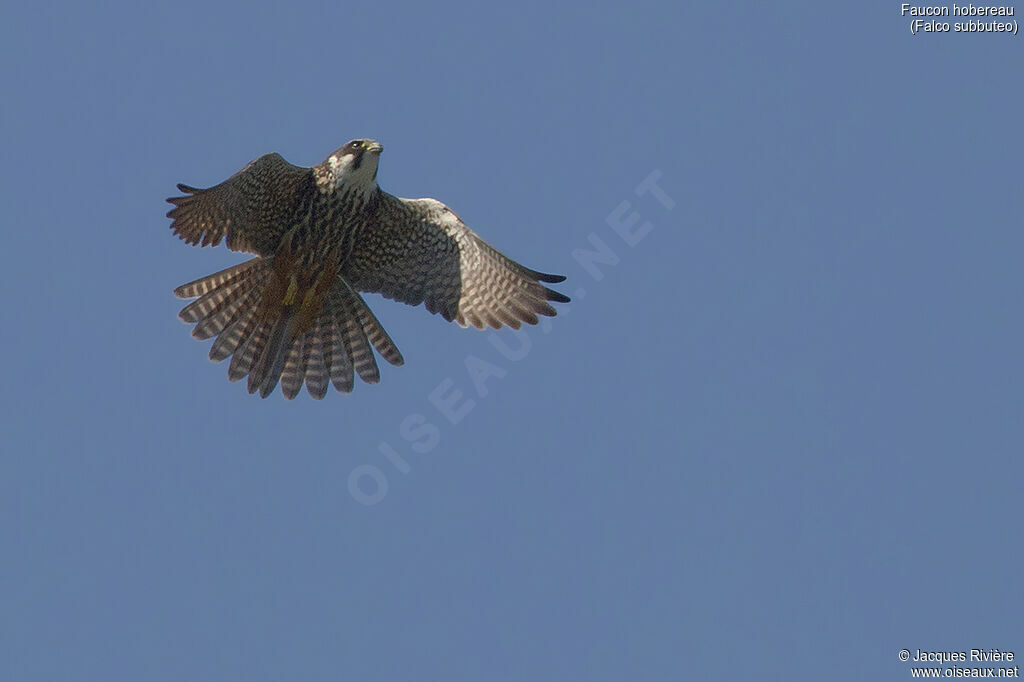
x: 316, y: 330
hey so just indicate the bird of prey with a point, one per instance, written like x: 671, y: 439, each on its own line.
x: 320, y: 236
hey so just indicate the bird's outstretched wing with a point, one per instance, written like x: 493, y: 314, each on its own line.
x: 252, y: 207
x: 418, y: 251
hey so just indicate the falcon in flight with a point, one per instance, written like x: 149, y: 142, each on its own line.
x: 321, y: 235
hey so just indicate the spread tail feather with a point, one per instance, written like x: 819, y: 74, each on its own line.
x: 265, y: 374
x: 328, y: 347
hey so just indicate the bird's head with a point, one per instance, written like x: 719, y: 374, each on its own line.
x: 353, y: 166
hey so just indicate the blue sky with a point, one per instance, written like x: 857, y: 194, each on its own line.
x: 776, y: 435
